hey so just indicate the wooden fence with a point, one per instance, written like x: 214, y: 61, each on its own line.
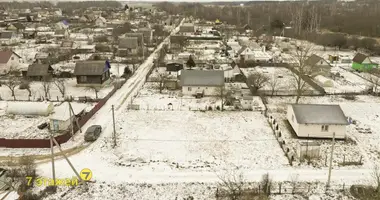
x: 45, y: 143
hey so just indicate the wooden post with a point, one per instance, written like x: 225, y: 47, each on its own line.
x: 52, y: 156
x: 360, y: 161
x: 114, y: 129
x: 331, y: 159
x: 279, y: 188
x: 344, y: 159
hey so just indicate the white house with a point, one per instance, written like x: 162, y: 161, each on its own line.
x: 60, y: 120
x: 317, y: 121
x: 200, y: 82
x: 247, y: 53
x: 247, y: 102
x: 8, y: 60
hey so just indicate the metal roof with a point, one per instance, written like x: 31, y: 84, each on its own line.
x: 38, y: 70
x: 319, y: 114
x: 202, y: 78
x: 128, y: 43
x: 359, y: 58
x: 90, y: 68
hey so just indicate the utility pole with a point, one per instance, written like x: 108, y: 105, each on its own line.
x: 114, y: 129
x: 68, y: 161
x: 52, y: 155
x: 71, y: 122
x: 331, y: 158
x: 76, y: 119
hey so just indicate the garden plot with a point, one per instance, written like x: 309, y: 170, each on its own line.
x: 347, y: 82
x: 149, y: 98
x: 281, y: 80
x: 37, y: 91
x: 200, y: 141
x: 363, y: 136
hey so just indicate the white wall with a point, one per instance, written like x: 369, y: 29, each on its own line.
x: 208, y: 91
x: 246, y: 104
x: 4, y: 68
x: 62, y: 125
x: 314, y: 130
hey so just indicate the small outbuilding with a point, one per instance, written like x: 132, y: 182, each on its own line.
x: 92, y: 72
x: 60, y: 119
x: 317, y: 120
x: 37, y: 72
x: 30, y: 108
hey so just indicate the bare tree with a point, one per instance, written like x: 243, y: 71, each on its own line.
x: 301, y: 69
x: 274, y: 85
x: 375, y: 174
x: 374, y: 78
x: 294, y: 182
x: 94, y: 89
x: 223, y: 94
x: 232, y: 183
x: 12, y: 83
x: 60, y: 83
x: 161, y: 79
x: 257, y: 81
x: 46, y: 84
x: 266, y: 184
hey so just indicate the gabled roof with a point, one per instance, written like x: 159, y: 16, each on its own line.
x: 128, y: 43
x: 38, y: 70
x: 319, y: 114
x: 359, y: 58
x: 313, y: 60
x: 6, y: 55
x: 90, y: 68
x: 60, y: 32
x: 242, y: 49
x: 19, y: 26
x: 67, y: 43
x: 202, y: 78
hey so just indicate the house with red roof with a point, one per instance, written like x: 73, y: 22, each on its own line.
x: 8, y: 60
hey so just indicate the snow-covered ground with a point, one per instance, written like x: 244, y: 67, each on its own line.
x: 149, y: 98
x: 364, y: 135
x: 281, y: 79
x: 24, y: 127
x: 38, y: 91
x: 347, y: 82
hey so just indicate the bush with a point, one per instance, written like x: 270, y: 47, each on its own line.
x: 218, y: 107
x: 349, y: 97
x: 209, y: 108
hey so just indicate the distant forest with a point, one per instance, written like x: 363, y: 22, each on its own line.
x: 62, y: 5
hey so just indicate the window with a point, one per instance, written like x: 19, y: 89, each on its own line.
x: 189, y: 89
x: 83, y: 78
x: 325, y: 128
x: 12, y: 58
x: 199, y: 88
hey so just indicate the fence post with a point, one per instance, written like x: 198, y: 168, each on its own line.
x: 343, y: 186
x: 360, y: 161
x: 279, y: 188
x: 325, y: 160
x: 259, y: 189
x: 344, y: 159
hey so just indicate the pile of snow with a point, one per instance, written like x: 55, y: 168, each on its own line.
x: 325, y: 82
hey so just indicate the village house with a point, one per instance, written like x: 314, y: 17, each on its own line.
x: 148, y: 34
x: 41, y: 57
x: 177, y: 42
x: 128, y: 46
x: 362, y: 62
x: 315, y: 65
x: 38, y: 72
x: 17, y: 27
x: 91, y: 73
x: 67, y: 44
x: 173, y: 67
x: 9, y: 60
x: 187, y: 29
x: 62, y: 119
x: 61, y: 33
x: 317, y: 121
x: 200, y: 82
x: 8, y: 37
x: 246, y: 102
x: 140, y: 38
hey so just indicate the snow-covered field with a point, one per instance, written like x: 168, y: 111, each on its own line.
x: 38, y: 91
x: 347, y: 82
x: 364, y: 135
x: 281, y: 79
x: 149, y: 98
x: 201, y: 140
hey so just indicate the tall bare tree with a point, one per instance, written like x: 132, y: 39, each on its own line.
x: 60, y: 83
x: 223, y: 94
x: 301, y: 69
x: 161, y: 79
x: 12, y: 83
x: 375, y: 174
x: 257, y: 81
x: 46, y: 85
x: 274, y: 84
x: 374, y: 78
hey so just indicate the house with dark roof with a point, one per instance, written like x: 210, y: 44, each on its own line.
x: 362, y: 62
x: 91, y: 73
x: 315, y: 65
x: 140, y: 38
x: 67, y: 44
x: 177, y: 41
x: 317, y: 120
x: 37, y: 72
x: 187, y: 28
x: 8, y: 37
x: 128, y: 46
x: 8, y: 60
x: 201, y: 82
x: 61, y: 33
x: 174, y: 66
